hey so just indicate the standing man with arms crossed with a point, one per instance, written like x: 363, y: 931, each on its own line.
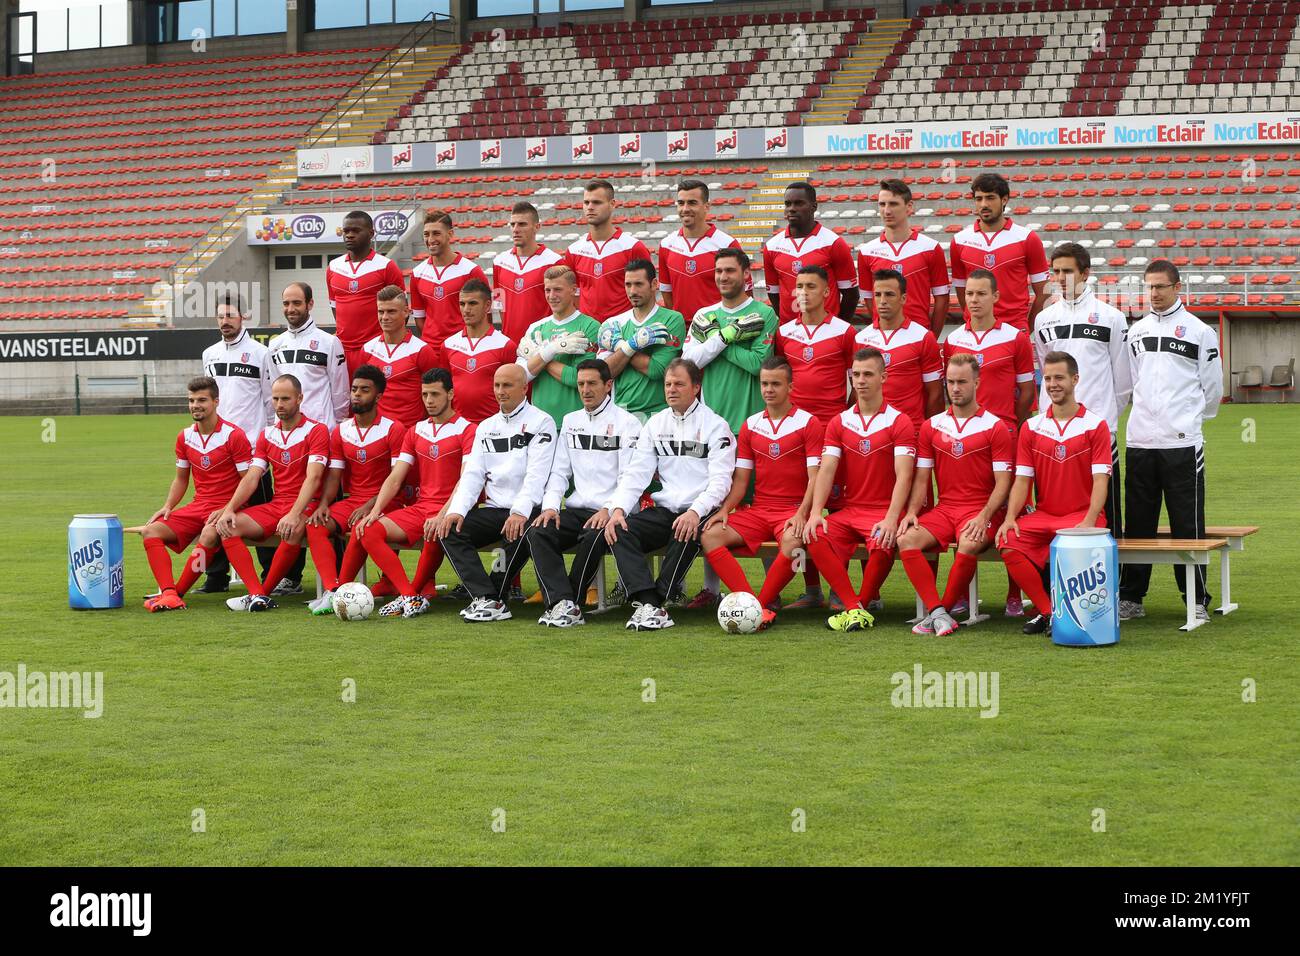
x: 1177, y: 384
x: 1011, y: 252
x: 686, y: 256
x: 353, y: 281
x: 1096, y: 334
x: 910, y: 252
x: 436, y: 283
x: 595, y: 446
x: 638, y: 344
x: 694, y: 453
x: 1064, y: 454
x: 598, y: 258
x: 806, y: 242
x: 517, y: 273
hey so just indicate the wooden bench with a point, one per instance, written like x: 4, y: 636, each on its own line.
x: 1236, y: 536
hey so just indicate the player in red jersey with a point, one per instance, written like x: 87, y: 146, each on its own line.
x: 353, y: 280
x: 599, y: 257
x: 475, y: 353
x: 518, y: 275
x: 806, y: 242
x: 296, y: 450
x: 970, y: 454
x: 362, y: 451
x: 436, y: 283
x: 216, y: 453
x: 869, y: 452
x: 1007, y: 249
x: 910, y: 350
x: 1064, y: 454
x: 686, y: 256
x: 907, y: 250
x: 401, y: 356
x: 436, y: 448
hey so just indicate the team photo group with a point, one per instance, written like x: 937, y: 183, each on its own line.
x: 664, y: 407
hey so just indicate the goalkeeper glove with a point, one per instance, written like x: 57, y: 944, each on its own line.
x: 745, y: 330
x: 702, y: 329
x: 611, y: 334
x: 571, y: 343
x: 656, y: 333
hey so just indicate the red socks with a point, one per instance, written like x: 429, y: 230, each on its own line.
x: 285, y: 556
x: 354, y: 556
x: 195, y: 566
x: 160, y: 563
x: 833, y: 570
x: 430, y: 561
x: 877, y: 569
x: 1022, y: 571
x: 242, y: 562
x: 921, y: 575
x: 376, y: 543
x: 959, y: 578
x: 778, y: 576
x: 321, y: 545
x: 729, y: 570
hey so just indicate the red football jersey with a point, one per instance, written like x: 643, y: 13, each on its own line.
x: 820, y: 357
x: 353, y: 295
x: 686, y: 269
x: 600, y: 266
x: 865, y: 448
x: 437, y: 452
x: 1005, y: 358
x: 1062, y: 458
x: 779, y: 453
x: 473, y: 364
x: 921, y: 261
x: 783, y: 257
x: 288, y: 453
x: 435, y: 297
x: 403, y: 365
x: 365, y: 455
x: 966, y: 455
x: 911, y: 359
x: 216, y: 462
x: 1014, y: 255
x: 523, y: 289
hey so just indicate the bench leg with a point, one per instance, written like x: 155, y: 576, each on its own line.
x: 1192, y: 623
x: 601, y: 607
x: 920, y: 611
x: 973, y: 615
x: 1225, y: 584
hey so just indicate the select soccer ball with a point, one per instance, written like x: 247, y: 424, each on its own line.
x: 353, y: 602
x: 740, y: 613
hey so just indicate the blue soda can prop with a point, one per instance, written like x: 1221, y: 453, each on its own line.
x: 1085, y: 587
x: 94, y: 562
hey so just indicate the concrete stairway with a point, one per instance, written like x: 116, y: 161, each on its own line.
x: 851, y: 79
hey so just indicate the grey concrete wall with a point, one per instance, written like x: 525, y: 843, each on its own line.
x: 1265, y: 342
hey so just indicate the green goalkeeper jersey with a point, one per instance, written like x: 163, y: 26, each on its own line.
x: 559, y: 396
x: 731, y: 371
x: 642, y: 393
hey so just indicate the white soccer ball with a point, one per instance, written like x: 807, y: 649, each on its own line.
x: 353, y: 602
x: 740, y: 613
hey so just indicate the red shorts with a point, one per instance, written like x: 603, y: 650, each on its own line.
x: 411, y: 519
x: 758, y: 525
x: 341, y: 512
x: 849, y: 527
x: 1037, y: 529
x: 267, y: 516
x: 946, y: 523
x: 188, y: 521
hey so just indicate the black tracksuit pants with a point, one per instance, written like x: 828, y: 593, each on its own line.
x: 1177, y: 475
x: 547, y: 546
x: 483, y: 526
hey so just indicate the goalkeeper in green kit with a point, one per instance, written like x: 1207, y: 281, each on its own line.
x: 639, y: 343
x: 729, y: 341
x: 552, y: 347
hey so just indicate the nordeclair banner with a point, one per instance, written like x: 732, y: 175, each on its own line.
x: 902, y: 137
x: 114, y: 345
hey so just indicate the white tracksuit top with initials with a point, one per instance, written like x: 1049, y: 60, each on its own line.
x: 1096, y: 334
x: 511, y: 461
x: 316, y: 358
x: 694, y: 454
x: 1177, y: 379
x: 593, y: 449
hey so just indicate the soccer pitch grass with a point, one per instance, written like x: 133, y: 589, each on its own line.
x: 242, y: 715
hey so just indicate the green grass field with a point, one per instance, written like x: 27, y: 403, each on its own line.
x: 242, y: 715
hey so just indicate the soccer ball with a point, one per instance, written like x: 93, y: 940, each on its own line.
x: 353, y: 602
x: 740, y: 613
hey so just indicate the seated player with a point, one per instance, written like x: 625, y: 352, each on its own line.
x: 553, y: 346
x: 507, y: 466
x: 1064, y: 454
x: 296, y: 449
x: 436, y: 448
x: 969, y: 453
x: 216, y: 453
x: 869, y: 452
x: 362, y: 450
x: 780, y: 449
x: 595, y: 446
x: 692, y: 450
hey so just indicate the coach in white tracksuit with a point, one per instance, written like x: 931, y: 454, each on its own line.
x: 1096, y: 334
x: 1177, y: 383
x: 314, y: 357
